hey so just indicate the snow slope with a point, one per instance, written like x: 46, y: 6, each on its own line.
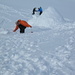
x: 49, y: 18
x: 65, y: 7
x: 49, y: 50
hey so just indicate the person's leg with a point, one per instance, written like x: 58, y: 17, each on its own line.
x: 33, y: 12
x: 22, y: 28
x: 40, y: 13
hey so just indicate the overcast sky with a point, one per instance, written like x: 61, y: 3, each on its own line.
x: 65, y: 7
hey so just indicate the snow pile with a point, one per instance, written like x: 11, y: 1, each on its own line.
x: 3, y: 31
x: 49, y: 18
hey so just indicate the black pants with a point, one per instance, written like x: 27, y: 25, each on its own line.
x: 34, y: 11
x: 40, y: 13
x: 22, y: 28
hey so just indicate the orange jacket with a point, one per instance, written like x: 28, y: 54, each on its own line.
x: 22, y: 22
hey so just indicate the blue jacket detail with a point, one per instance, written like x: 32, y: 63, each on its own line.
x: 40, y: 9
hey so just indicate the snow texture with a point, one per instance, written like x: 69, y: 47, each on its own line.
x: 49, y: 50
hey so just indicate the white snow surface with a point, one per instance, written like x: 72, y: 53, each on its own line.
x: 49, y: 17
x: 49, y: 50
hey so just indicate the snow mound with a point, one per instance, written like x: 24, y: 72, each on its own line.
x: 3, y: 31
x: 48, y: 19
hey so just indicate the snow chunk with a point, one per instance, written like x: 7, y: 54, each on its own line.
x: 3, y: 31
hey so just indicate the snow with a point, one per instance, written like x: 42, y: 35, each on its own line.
x: 47, y: 19
x: 49, y: 50
x: 65, y: 7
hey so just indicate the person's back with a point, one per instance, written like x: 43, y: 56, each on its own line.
x: 24, y: 23
x: 40, y: 9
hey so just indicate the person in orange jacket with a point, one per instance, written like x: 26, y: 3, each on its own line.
x: 22, y: 25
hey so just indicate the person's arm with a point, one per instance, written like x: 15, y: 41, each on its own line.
x: 15, y: 28
x: 27, y: 25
